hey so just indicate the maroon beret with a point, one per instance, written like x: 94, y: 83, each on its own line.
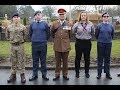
x: 61, y: 10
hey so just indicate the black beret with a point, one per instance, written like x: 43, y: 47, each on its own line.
x: 37, y: 12
x: 104, y: 14
x: 15, y: 14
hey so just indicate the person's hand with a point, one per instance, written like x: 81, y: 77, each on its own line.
x: 70, y: 23
x: 3, y: 27
x: 117, y: 22
x: 49, y: 24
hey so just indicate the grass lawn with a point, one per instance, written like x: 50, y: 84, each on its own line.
x: 5, y: 49
x: 117, y: 30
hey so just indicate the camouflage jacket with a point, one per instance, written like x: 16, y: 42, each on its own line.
x: 16, y: 34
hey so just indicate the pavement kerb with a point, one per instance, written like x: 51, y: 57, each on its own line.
x: 69, y: 68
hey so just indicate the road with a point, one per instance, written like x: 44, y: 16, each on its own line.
x: 4, y: 75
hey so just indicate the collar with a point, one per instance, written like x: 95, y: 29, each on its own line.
x: 61, y: 21
x: 105, y: 22
x: 16, y: 24
x: 37, y: 21
x: 83, y: 22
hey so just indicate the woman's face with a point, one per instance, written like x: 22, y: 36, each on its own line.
x: 83, y: 16
x: 105, y: 17
x: 38, y: 16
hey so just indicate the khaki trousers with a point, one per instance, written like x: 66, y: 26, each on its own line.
x: 61, y: 57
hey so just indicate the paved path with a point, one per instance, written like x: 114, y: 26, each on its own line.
x: 4, y: 74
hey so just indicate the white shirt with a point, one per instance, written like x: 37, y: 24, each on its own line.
x: 61, y: 22
x: 105, y: 22
x: 37, y: 21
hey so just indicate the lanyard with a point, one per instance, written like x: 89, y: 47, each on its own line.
x: 84, y: 26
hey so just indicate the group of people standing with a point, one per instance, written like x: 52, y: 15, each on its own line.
x: 60, y: 31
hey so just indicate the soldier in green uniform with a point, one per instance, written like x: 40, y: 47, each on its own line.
x: 15, y: 33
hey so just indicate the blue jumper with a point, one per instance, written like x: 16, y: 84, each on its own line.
x: 39, y: 32
x: 104, y: 32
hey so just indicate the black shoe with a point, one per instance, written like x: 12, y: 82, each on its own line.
x: 118, y: 75
x: 65, y: 77
x: 87, y: 75
x: 23, y: 80
x: 56, y: 78
x: 45, y: 78
x: 108, y: 76
x: 33, y: 78
x: 12, y: 78
x: 77, y: 76
x: 98, y: 76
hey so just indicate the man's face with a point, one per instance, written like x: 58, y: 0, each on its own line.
x: 38, y: 16
x: 62, y: 16
x: 16, y: 19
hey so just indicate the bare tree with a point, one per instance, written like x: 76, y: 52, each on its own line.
x: 7, y: 9
x: 49, y: 10
x: 99, y: 8
x: 26, y: 10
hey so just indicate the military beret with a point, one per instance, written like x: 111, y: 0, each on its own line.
x: 105, y: 13
x: 61, y: 10
x: 15, y: 14
x: 37, y: 12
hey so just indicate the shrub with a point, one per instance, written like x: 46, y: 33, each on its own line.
x: 25, y: 21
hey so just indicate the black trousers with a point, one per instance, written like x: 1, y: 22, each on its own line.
x: 82, y: 47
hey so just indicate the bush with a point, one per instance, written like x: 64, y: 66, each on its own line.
x: 53, y: 19
x: 25, y: 21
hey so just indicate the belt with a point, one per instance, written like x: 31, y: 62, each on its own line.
x: 83, y: 39
x: 16, y: 43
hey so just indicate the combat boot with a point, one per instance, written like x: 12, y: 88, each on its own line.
x: 12, y: 78
x: 23, y: 80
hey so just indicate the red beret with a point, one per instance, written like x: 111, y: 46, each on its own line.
x: 61, y: 10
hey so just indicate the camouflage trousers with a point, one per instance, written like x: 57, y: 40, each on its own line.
x: 17, y: 58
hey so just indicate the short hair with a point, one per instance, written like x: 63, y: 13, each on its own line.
x: 16, y: 14
x: 105, y: 13
x: 37, y: 12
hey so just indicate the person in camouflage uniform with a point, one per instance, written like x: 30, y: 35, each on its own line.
x: 15, y: 33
